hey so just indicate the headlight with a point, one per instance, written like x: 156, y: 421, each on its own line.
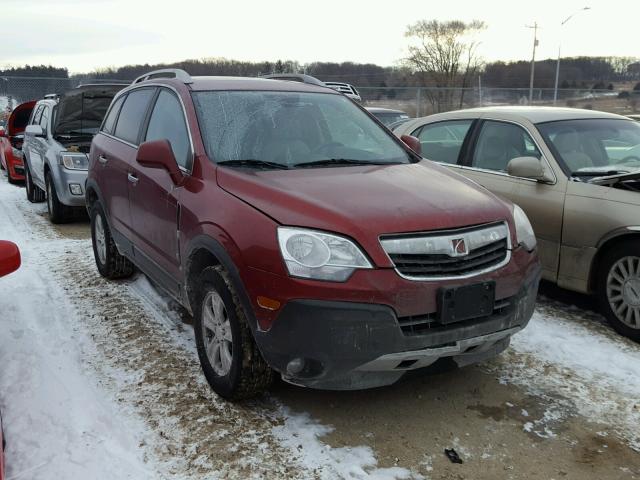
x: 74, y: 161
x: 17, y: 153
x: 318, y: 255
x: 524, y: 230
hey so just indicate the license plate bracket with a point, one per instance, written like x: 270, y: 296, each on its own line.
x: 456, y: 304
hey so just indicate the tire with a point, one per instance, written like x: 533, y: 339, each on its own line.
x: 245, y: 374
x: 10, y: 178
x: 111, y: 264
x: 619, y: 288
x: 34, y: 193
x: 58, y: 212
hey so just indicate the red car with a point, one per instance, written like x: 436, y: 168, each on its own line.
x: 11, y: 156
x: 305, y: 238
x: 9, y: 262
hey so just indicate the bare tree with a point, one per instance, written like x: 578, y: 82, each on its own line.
x: 445, y: 55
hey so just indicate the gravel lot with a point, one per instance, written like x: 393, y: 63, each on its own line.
x: 101, y: 380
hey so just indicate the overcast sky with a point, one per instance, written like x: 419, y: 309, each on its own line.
x: 87, y: 34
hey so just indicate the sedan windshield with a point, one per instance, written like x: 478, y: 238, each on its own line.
x: 595, y: 147
x: 263, y: 129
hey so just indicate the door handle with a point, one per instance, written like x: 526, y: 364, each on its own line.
x: 102, y: 159
x: 132, y: 178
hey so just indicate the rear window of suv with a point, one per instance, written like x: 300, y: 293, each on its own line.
x: 291, y: 128
x: 132, y: 114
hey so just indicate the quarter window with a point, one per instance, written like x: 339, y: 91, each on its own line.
x: 167, y: 122
x: 36, y: 116
x: 132, y: 114
x: 110, y: 121
x: 44, y: 120
x: 499, y: 143
x: 443, y: 141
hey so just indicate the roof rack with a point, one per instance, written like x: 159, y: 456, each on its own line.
x: 165, y: 73
x: 295, y: 77
x: 50, y: 96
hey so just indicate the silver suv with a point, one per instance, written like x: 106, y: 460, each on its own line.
x: 57, y: 141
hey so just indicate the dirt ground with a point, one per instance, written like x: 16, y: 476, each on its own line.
x: 486, y: 419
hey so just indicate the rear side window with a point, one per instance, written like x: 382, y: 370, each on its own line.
x: 132, y: 114
x: 36, y: 116
x: 110, y: 120
x: 44, y: 119
x: 443, y: 141
x: 167, y: 122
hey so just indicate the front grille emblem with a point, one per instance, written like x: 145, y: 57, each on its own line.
x: 459, y: 247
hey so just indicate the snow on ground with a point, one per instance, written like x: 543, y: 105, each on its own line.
x: 66, y: 416
x: 584, y: 362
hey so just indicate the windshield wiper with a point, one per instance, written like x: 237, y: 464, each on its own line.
x: 253, y: 164
x: 338, y: 161
x: 597, y: 173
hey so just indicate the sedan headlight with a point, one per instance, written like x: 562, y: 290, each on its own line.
x: 318, y: 255
x: 74, y: 161
x: 524, y: 230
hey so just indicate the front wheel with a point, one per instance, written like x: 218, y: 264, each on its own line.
x: 619, y: 289
x: 230, y: 359
x: 111, y: 264
x: 58, y: 212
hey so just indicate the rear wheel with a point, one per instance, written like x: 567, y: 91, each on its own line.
x: 58, y: 212
x: 230, y: 359
x: 111, y: 264
x: 34, y: 193
x: 619, y: 289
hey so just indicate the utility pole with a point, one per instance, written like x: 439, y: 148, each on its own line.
x: 555, y: 88
x: 533, y: 59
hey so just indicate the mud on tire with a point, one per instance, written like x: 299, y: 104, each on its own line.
x: 110, y: 263
x: 249, y: 375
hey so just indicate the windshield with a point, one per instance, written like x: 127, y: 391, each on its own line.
x: 263, y: 129
x: 594, y: 147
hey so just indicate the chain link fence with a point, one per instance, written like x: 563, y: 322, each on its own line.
x: 17, y: 90
x: 421, y: 101
x: 416, y: 101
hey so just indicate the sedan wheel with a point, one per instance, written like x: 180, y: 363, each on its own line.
x: 217, y: 333
x: 623, y: 290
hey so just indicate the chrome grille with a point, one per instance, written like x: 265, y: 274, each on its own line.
x: 449, y: 254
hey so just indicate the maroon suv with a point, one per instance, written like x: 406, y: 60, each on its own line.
x: 302, y: 235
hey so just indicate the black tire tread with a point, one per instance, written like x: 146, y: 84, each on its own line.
x: 34, y: 193
x: 117, y: 266
x: 255, y: 374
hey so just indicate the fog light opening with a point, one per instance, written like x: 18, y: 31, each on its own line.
x: 75, y: 189
x: 296, y: 366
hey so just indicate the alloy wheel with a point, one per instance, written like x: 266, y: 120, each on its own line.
x: 623, y: 290
x: 218, y: 341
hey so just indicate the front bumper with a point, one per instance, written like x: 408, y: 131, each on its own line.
x: 66, y: 179
x: 347, y: 346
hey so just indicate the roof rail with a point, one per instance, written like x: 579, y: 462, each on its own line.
x: 165, y: 73
x: 51, y: 96
x: 295, y: 77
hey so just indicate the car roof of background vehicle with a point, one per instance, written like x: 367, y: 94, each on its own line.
x: 532, y: 114
x: 385, y: 110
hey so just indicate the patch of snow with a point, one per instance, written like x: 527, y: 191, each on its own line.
x: 301, y: 434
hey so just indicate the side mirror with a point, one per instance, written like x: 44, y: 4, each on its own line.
x: 158, y: 154
x: 529, y: 167
x: 413, y: 143
x: 34, y: 131
x: 9, y: 257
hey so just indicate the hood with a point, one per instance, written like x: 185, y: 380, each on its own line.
x: 366, y: 201
x: 19, y: 118
x: 82, y: 109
